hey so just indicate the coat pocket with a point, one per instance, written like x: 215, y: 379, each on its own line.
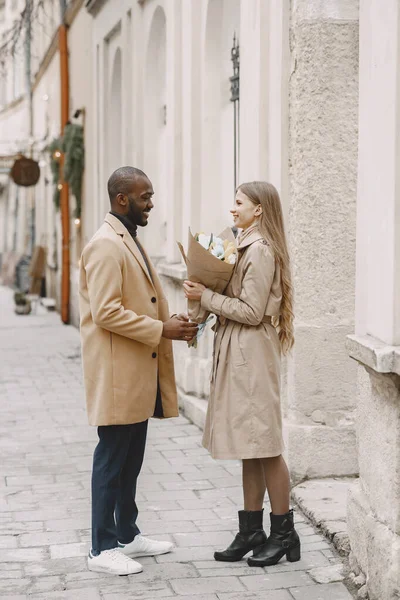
x: 238, y: 355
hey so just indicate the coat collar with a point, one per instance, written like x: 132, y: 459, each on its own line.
x: 116, y: 224
x: 121, y: 230
x: 248, y: 237
x: 125, y: 221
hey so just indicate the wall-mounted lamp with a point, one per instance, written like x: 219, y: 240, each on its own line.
x: 80, y: 112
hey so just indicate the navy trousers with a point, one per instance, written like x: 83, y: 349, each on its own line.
x: 117, y: 461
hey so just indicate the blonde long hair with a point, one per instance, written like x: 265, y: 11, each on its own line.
x: 273, y: 231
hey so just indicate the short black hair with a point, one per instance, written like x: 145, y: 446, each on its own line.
x: 121, y: 181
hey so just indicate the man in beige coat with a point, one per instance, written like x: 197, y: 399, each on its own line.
x: 126, y: 334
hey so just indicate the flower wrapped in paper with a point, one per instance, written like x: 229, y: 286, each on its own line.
x: 209, y: 260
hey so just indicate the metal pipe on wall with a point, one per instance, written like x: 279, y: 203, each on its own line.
x: 64, y: 195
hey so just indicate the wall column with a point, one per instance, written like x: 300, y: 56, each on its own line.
x: 323, y: 107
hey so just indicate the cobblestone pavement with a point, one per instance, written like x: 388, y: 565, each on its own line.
x: 45, y: 455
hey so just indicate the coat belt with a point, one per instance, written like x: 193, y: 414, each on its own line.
x: 266, y: 319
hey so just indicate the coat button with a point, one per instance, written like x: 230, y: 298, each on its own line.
x: 154, y: 300
x: 154, y: 355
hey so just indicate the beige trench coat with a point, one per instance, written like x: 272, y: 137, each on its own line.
x: 122, y: 314
x: 244, y: 411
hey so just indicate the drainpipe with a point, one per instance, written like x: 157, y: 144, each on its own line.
x: 30, y: 192
x: 64, y: 195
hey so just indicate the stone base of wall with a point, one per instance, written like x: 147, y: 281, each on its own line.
x: 373, y: 513
x: 321, y: 451
x: 193, y: 408
x: 375, y: 549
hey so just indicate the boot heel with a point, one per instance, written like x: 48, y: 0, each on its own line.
x: 294, y: 555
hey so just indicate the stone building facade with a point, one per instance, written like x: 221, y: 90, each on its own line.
x: 316, y: 116
x: 29, y: 124
x: 14, y: 201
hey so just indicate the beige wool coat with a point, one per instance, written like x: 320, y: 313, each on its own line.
x: 244, y: 410
x: 121, y: 322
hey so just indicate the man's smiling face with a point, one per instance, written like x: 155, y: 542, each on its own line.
x: 139, y: 202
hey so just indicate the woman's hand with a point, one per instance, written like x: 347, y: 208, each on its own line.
x: 193, y: 291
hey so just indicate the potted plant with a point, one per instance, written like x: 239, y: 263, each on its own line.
x: 22, y: 303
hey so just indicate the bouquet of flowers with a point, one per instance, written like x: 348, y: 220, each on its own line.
x: 210, y: 260
x: 223, y: 249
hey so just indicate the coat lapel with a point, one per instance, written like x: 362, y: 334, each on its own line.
x: 121, y: 230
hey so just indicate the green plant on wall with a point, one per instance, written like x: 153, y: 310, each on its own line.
x: 54, y: 149
x: 74, y: 163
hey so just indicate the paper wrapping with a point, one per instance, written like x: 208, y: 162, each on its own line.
x: 203, y: 267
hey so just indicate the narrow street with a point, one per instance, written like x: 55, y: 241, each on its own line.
x: 184, y: 496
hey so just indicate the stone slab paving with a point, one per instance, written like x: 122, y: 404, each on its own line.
x: 324, y: 502
x: 184, y: 496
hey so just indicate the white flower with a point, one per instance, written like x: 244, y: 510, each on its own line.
x: 217, y: 241
x: 221, y: 249
x: 204, y: 240
x: 218, y: 251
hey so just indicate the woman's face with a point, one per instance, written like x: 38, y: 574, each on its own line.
x: 245, y: 213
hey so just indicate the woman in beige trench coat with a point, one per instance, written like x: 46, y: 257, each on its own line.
x: 255, y: 324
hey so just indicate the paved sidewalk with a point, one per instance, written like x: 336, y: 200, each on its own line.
x: 324, y: 502
x: 184, y: 496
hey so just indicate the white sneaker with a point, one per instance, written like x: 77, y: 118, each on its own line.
x: 113, y: 562
x: 142, y: 546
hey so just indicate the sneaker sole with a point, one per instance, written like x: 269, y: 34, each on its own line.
x: 98, y: 569
x: 143, y: 554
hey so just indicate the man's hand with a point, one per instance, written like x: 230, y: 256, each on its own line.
x: 182, y: 317
x: 179, y: 329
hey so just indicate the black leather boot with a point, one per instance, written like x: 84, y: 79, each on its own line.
x: 283, y: 539
x: 251, y: 534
